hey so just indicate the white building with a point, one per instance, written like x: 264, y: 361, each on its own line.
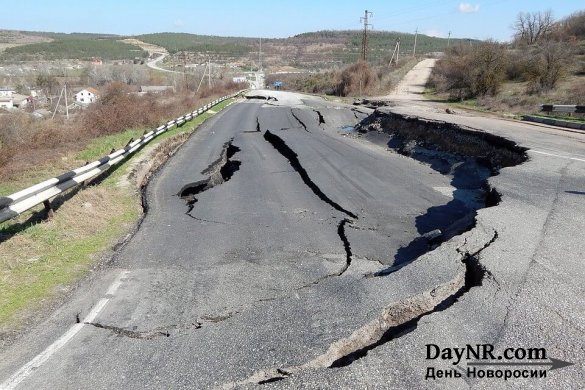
x: 6, y: 92
x: 87, y: 96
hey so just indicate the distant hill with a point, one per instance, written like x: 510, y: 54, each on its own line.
x: 316, y: 50
x: 46, y: 46
x: 82, y: 49
x: 313, y: 49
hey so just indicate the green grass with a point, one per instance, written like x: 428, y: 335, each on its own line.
x: 61, y: 261
x: 102, y: 146
x: 43, y: 258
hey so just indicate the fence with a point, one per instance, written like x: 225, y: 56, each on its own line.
x: 573, y: 109
x: 21, y: 201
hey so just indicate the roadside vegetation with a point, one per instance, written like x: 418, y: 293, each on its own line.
x: 357, y: 79
x: 27, y: 142
x: 544, y: 64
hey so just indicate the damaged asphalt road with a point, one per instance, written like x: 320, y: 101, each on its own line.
x: 278, y: 252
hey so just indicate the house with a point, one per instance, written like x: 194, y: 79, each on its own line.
x: 156, y: 88
x: 87, y: 96
x: 20, y: 101
x: 6, y: 92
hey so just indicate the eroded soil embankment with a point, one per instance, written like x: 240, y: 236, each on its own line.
x: 469, y: 157
x: 416, y: 137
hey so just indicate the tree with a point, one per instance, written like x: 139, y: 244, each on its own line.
x: 533, y: 27
x: 48, y: 84
x: 574, y: 25
x: 468, y: 72
x: 548, y: 66
x: 487, y: 65
x: 356, y: 79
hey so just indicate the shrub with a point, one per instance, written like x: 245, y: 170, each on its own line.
x: 548, y: 65
x: 356, y: 79
x: 468, y: 72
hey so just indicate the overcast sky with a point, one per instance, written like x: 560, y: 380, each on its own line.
x: 274, y: 18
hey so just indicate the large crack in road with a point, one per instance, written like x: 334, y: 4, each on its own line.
x: 281, y: 146
x: 293, y: 159
x: 292, y: 111
x: 220, y: 171
x: 396, y: 320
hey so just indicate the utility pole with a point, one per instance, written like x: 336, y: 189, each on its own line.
x: 449, y: 39
x: 414, y: 49
x: 209, y: 74
x: 184, y: 58
x: 364, y: 20
x: 396, y: 52
x: 63, y: 92
x: 397, y: 49
x: 260, y: 56
x: 66, y: 104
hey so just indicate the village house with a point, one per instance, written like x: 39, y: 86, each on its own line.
x: 20, y: 101
x: 86, y: 96
x: 6, y: 92
x: 6, y: 101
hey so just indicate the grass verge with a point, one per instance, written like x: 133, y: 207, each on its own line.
x: 41, y: 261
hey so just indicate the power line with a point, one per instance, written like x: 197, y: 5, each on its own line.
x: 364, y: 20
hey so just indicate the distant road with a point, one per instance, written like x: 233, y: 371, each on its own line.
x: 153, y: 64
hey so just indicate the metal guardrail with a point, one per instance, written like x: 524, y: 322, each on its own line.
x: 562, y: 108
x: 21, y: 201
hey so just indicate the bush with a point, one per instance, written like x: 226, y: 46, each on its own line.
x: 468, y: 72
x: 356, y: 79
x: 548, y: 65
x: 35, y: 141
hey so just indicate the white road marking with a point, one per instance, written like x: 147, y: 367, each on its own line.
x: 42, y: 357
x: 557, y: 155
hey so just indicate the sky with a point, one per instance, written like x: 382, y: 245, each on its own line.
x: 274, y: 18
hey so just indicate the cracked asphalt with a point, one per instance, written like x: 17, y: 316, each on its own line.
x: 265, y: 279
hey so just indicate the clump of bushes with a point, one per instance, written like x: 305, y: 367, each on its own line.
x: 471, y: 71
x: 356, y: 79
x: 479, y: 71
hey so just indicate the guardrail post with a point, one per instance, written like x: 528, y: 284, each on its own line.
x: 49, y: 209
